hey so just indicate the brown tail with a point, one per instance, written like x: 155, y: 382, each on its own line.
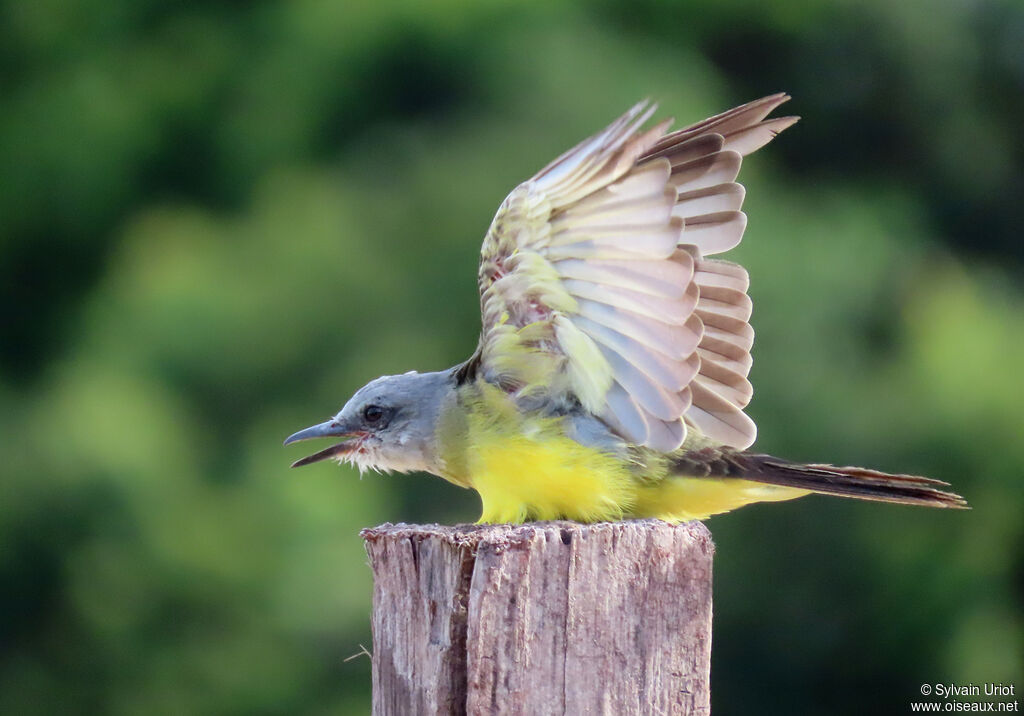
x: 857, y: 482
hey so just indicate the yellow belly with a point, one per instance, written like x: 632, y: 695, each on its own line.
x: 553, y: 480
x: 525, y: 468
x: 678, y: 499
x: 545, y: 478
x: 549, y: 478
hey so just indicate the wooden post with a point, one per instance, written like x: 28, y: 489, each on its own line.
x: 542, y: 618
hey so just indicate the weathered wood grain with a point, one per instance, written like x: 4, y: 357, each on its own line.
x: 543, y: 618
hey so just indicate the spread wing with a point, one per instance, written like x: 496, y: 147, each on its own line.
x: 594, y: 286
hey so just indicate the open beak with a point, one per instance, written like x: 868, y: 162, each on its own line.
x: 330, y: 429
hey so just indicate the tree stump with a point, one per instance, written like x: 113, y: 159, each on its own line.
x: 542, y: 618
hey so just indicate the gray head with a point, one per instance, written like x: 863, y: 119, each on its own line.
x: 388, y: 425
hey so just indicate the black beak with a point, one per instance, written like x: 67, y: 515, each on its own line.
x: 330, y: 429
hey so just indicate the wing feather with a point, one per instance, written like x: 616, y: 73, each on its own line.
x: 622, y: 415
x: 688, y: 149
x: 723, y: 274
x: 733, y: 121
x: 674, y: 312
x: 725, y: 309
x: 751, y: 138
x: 656, y: 242
x: 631, y: 210
x: 717, y: 418
x: 595, y: 287
x: 710, y: 200
x: 718, y: 168
x: 715, y: 233
x: 669, y: 279
x: 672, y: 374
x: 677, y: 344
x: 666, y: 436
x: 652, y: 397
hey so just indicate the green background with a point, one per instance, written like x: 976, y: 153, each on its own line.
x: 219, y: 219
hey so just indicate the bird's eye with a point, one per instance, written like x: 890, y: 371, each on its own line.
x: 373, y: 414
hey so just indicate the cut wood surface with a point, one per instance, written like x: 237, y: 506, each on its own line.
x: 542, y: 618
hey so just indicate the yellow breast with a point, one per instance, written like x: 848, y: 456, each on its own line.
x: 546, y: 477
x: 524, y: 467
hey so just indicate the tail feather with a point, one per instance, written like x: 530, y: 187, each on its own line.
x: 857, y: 482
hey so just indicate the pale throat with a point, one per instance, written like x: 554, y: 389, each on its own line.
x: 404, y: 452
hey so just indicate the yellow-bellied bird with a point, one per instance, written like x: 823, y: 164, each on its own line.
x: 611, y: 373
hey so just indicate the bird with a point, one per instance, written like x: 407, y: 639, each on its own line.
x: 610, y: 377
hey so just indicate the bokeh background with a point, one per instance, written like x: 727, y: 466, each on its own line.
x: 218, y: 219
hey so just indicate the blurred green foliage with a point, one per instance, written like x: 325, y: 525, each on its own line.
x: 219, y: 219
